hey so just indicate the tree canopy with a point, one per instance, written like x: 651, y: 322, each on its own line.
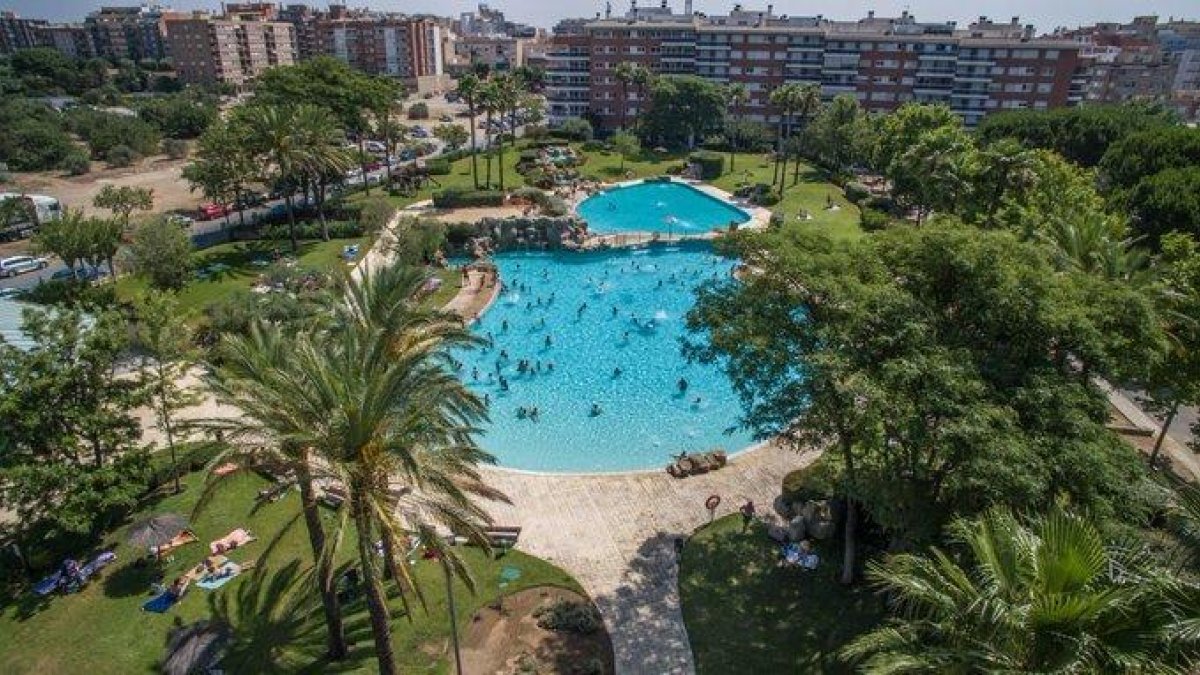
x: 1082, y: 134
x: 682, y: 110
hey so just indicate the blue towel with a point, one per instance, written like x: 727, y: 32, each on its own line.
x: 228, y: 571
x: 161, y: 604
x: 49, y: 584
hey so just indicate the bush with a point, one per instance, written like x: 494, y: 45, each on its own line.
x: 856, y: 192
x: 593, y: 146
x: 121, y: 156
x: 872, y: 220
x: 77, y: 163
x: 104, y: 131
x: 418, y: 111
x: 568, y: 616
x: 450, y: 199
x: 880, y: 203
x: 815, y: 481
x: 550, y: 205
x: 768, y: 197
x: 175, y: 148
x: 712, y: 164
x: 375, y: 213
x: 576, y: 129
x: 438, y: 167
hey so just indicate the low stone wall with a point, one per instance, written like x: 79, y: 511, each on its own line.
x: 525, y: 232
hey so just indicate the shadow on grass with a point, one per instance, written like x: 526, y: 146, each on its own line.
x: 132, y: 578
x: 746, y: 614
x: 239, y: 259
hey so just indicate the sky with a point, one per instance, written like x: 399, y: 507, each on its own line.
x: 1045, y: 14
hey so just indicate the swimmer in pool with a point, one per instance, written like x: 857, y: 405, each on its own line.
x: 503, y: 383
x: 617, y: 371
x: 475, y: 374
x: 682, y: 385
x: 549, y: 341
x: 504, y: 325
x: 596, y: 410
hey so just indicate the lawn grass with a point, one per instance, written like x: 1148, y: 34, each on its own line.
x: 745, y: 614
x: 809, y: 194
x: 241, y: 272
x: 451, y: 284
x: 103, y: 630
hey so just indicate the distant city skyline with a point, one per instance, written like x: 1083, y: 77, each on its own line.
x: 1045, y: 16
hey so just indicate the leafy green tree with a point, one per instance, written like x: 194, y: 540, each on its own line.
x: 180, y: 116
x: 223, y: 165
x: 1003, y: 169
x: 167, y: 354
x: 902, y: 129
x: 1048, y: 596
x: 626, y: 145
x: 124, y: 200
x: 64, y: 237
x: 103, y: 237
x: 577, y: 128
x: 946, y: 369
x: 1145, y: 153
x: 34, y: 137
x: 452, y: 135
x: 1167, y: 201
x: 105, y: 132
x: 937, y: 173
x: 161, y: 252
x: 838, y: 136
x: 1081, y: 134
x: 69, y: 458
x: 624, y: 72
x: 682, y: 108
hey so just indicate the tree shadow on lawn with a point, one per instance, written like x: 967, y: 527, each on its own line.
x: 746, y: 614
x: 239, y: 260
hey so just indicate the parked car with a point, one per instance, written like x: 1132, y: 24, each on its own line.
x: 374, y: 166
x: 82, y: 273
x: 250, y: 199
x: 213, y: 210
x: 181, y: 220
x: 20, y: 264
x: 375, y: 146
x: 445, y: 118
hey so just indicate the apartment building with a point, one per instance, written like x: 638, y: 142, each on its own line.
x: 73, y: 40
x: 498, y: 52
x: 206, y: 50
x: 17, y: 33
x: 399, y: 46
x: 884, y: 62
x: 135, y: 33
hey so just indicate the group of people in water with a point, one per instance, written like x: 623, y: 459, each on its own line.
x: 530, y: 367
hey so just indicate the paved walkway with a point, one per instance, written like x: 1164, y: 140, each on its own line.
x: 615, y: 534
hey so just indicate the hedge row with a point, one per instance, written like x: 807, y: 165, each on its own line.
x: 451, y: 199
x: 712, y: 164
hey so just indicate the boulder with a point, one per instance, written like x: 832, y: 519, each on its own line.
x: 821, y: 529
x: 783, y: 507
x: 797, y: 528
x: 818, y: 516
x: 777, y: 533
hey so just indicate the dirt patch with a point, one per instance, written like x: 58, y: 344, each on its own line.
x: 475, y: 215
x: 157, y: 173
x: 509, y: 641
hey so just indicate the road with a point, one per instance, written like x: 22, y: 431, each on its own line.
x: 207, y: 232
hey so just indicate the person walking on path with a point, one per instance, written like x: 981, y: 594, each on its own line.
x: 747, y: 514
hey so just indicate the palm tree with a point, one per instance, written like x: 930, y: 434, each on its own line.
x: 283, y: 138
x: 625, y: 73
x: 783, y: 98
x: 395, y: 427
x: 808, y: 102
x: 507, y: 96
x: 736, y: 96
x: 256, y: 376
x: 468, y: 89
x: 489, y: 100
x: 1048, y: 596
x: 326, y: 159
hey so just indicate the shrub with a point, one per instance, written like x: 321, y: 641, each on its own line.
x: 418, y: 111
x: 539, y: 179
x: 438, y: 167
x: 338, y: 229
x: 593, y: 146
x: 568, y: 616
x: 458, y: 234
x: 536, y: 132
x: 873, y: 220
x: 450, y: 199
x: 776, y: 219
x: 77, y: 163
x: 856, y: 192
x: 576, y: 129
x: 880, y: 203
x: 175, y: 148
x: 712, y: 164
x: 375, y: 213
x: 769, y: 197
x: 815, y: 481
x: 121, y: 156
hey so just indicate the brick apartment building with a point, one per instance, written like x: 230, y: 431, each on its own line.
x: 17, y: 33
x: 403, y: 47
x: 234, y: 51
x: 884, y: 62
x: 135, y: 33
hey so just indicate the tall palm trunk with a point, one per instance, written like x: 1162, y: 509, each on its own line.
x: 850, y: 534
x: 362, y: 162
x: 500, y: 160
x: 338, y: 648
x: 381, y: 628
x: 287, y: 199
x: 474, y: 144
x: 487, y: 138
x: 784, y: 154
x: 392, y: 571
x: 1162, y: 434
x: 778, y: 152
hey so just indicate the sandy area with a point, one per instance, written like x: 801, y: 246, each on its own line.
x: 157, y: 173
x: 474, y: 215
x: 509, y: 640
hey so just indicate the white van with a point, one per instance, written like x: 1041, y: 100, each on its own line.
x: 20, y: 264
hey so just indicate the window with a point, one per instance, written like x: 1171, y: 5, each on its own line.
x: 1045, y: 88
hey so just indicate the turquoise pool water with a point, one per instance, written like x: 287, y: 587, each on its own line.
x: 602, y: 311
x: 656, y: 206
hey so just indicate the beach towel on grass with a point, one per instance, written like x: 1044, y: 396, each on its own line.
x: 227, y: 573
x: 162, y: 603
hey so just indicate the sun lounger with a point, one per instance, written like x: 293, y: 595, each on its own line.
x: 224, y: 574
x: 225, y: 469
x: 239, y: 537
x: 502, y: 536
x: 167, y: 599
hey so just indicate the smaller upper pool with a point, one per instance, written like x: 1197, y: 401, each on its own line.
x: 658, y: 206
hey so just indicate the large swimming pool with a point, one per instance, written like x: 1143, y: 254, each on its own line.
x: 658, y: 206
x: 600, y: 334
